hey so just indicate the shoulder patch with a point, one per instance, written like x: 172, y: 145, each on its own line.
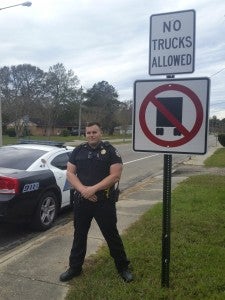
x: 106, y: 144
x: 81, y: 145
x: 117, y: 153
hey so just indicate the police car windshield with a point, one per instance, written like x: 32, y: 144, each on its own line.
x: 20, y: 159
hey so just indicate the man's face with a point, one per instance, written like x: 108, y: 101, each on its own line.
x: 93, y: 135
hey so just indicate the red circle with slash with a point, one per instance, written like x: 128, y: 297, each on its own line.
x: 187, y: 134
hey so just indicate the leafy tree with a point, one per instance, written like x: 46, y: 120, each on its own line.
x: 102, y: 99
x: 221, y: 139
x: 124, y: 115
x: 215, y: 125
x: 21, y: 90
x: 48, y: 96
x: 61, y: 93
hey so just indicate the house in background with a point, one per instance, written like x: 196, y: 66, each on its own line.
x: 36, y: 128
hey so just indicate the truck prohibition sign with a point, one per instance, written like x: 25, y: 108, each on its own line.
x: 172, y: 43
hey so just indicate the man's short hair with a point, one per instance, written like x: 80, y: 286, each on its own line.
x: 89, y: 124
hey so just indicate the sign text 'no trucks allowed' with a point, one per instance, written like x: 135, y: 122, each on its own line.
x: 172, y: 43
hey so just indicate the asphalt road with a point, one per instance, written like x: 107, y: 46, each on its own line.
x: 139, y: 165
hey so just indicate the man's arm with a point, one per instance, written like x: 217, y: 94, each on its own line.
x: 77, y: 184
x: 72, y: 178
x: 111, y: 179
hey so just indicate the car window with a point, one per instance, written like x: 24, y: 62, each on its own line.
x: 61, y: 160
x: 18, y: 158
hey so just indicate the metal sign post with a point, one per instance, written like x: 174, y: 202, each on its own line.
x: 166, y: 228
x: 166, y: 220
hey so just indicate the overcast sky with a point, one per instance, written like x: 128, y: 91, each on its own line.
x: 109, y: 40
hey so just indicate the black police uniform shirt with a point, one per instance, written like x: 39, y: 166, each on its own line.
x: 93, y: 164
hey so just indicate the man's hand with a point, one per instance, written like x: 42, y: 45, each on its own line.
x: 88, y: 192
x: 93, y: 198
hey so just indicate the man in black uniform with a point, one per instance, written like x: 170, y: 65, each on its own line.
x: 93, y: 170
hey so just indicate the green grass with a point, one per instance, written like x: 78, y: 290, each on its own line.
x: 217, y: 160
x: 13, y: 140
x: 197, y: 265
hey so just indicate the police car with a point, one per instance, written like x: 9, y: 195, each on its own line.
x: 33, y: 185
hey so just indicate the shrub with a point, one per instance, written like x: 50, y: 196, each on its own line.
x: 221, y: 139
x: 11, y: 132
x: 65, y: 132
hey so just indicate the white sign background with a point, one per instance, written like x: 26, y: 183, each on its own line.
x: 198, y: 144
x: 177, y: 29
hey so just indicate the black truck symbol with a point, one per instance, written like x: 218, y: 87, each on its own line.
x: 174, y: 105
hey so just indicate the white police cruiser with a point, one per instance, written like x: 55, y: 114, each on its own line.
x: 33, y: 185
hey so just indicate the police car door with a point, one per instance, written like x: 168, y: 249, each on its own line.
x: 58, y: 167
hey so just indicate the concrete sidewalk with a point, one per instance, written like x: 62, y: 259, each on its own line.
x: 31, y: 271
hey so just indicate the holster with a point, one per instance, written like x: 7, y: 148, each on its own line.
x: 114, y: 193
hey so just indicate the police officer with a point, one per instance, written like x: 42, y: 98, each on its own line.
x: 93, y: 170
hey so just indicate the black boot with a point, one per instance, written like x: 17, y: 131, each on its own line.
x: 69, y: 274
x: 126, y: 275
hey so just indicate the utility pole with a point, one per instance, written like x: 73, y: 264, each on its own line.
x: 80, y: 110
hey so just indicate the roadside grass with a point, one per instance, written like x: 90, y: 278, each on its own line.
x: 217, y: 160
x: 197, y: 265
x: 13, y: 140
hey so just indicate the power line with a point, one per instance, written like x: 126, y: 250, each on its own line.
x: 217, y: 72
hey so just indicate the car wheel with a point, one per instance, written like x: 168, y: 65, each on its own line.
x: 46, y: 211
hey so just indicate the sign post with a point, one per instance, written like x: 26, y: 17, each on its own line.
x: 166, y: 220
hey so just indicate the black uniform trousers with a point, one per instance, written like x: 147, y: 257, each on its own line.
x: 104, y: 212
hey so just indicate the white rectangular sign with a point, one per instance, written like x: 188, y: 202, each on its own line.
x: 171, y: 115
x: 172, y: 43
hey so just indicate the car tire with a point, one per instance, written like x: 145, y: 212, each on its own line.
x: 46, y: 212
